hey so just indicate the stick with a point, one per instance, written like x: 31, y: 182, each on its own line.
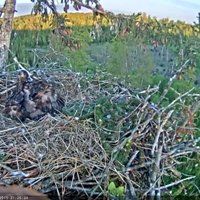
x: 175, y: 183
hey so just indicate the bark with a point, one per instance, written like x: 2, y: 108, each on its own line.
x: 5, y: 31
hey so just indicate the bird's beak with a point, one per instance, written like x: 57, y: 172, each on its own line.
x: 29, y: 79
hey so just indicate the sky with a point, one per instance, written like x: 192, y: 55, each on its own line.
x: 185, y: 10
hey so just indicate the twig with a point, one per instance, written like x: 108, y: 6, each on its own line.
x: 90, y: 7
x: 18, y: 63
x: 175, y: 183
x: 7, y: 90
x: 155, y: 171
x: 131, y: 159
x: 160, y: 130
x: 131, y: 188
x: 184, y: 66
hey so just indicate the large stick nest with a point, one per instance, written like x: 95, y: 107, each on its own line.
x: 80, y: 152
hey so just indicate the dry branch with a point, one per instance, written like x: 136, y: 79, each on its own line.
x: 63, y: 153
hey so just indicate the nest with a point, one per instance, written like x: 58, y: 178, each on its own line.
x: 51, y: 153
x: 80, y: 153
x: 54, y: 153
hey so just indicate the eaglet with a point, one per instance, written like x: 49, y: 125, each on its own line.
x: 32, y: 98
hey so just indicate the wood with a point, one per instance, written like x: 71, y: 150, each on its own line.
x: 6, y: 30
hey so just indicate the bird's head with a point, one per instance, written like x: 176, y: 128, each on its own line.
x: 24, y: 76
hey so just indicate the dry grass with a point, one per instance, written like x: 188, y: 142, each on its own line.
x: 53, y: 152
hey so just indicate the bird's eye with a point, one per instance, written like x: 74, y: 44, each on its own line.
x: 14, y: 108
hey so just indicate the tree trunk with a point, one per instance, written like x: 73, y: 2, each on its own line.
x: 5, y: 31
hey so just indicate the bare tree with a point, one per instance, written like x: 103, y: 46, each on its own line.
x: 6, y: 30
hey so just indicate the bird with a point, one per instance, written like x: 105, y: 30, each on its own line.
x: 24, y: 76
x: 17, y: 95
x: 15, y: 112
x: 28, y: 103
x: 17, y: 192
x: 48, y: 100
x: 32, y: 98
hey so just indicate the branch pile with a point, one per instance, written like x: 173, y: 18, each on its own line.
x: 106, y: 133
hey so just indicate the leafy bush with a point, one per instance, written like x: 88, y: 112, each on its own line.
x: 129, y: 61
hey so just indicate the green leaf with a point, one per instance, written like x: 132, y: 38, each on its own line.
x: 112, y: 187
x: 120, y: 191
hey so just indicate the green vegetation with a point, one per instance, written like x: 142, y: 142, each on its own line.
x: 131, y: 60
x: 116, y: 191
